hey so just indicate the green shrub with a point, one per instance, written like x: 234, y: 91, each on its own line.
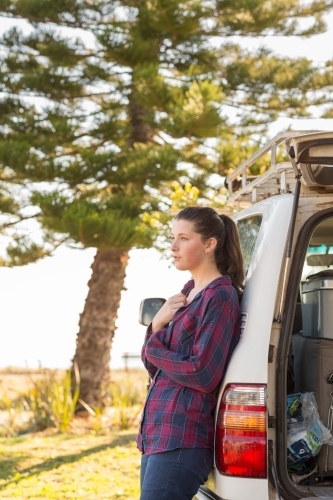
x: 51, y: 402
x: 127, y: 397
x: 12, y: 408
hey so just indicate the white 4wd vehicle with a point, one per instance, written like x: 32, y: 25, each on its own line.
x: 285, y: 221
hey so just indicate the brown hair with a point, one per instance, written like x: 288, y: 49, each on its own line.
x: 228, y: 256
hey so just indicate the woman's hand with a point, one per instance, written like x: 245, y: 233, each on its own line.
x: 168, y: 310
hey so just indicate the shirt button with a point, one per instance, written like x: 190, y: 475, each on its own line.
x: 171, y: 323
x: 194, y: 369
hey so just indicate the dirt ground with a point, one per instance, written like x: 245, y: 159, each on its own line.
x: 15, y: 380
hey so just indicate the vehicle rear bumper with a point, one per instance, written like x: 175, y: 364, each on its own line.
x: 205, y: 493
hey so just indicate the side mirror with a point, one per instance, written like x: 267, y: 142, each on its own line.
x: 148, y: 309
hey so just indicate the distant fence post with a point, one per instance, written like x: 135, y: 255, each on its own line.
x: 128, y: 355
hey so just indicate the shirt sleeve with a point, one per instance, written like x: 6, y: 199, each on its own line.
x: 204, y: 368
x: 150, y: 367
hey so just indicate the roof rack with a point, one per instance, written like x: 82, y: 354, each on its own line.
x: 280, y: 178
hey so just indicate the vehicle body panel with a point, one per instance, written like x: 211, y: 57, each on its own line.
x: 261, y: 288
x: 261, y: 302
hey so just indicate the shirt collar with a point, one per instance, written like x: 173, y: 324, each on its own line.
x: 217, y: 281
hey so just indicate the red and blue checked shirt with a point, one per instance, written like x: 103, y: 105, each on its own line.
x: 187, y: 360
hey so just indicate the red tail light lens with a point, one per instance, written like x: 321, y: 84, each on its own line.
x: 241, y: 438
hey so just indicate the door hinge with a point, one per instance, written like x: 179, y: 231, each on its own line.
x: 271, y: 422
x: 271, y: 353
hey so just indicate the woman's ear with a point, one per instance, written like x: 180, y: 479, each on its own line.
x: 211, y: 245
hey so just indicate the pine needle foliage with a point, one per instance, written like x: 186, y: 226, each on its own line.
x: 112, y: 100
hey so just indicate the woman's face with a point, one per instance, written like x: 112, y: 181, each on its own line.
x: 188, y: 249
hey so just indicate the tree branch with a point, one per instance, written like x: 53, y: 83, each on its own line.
x: 58, y: 22
x: 21, y: 219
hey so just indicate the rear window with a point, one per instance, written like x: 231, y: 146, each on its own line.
x: 319, y: 256
x: 248, y: 228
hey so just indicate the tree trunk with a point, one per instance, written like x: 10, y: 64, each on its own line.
x: 97, y: 327
x: 141, y: 130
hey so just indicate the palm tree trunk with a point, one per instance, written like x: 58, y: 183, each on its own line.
x: 97, y: 326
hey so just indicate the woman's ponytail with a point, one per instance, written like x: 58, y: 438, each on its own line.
x: 231, y: 260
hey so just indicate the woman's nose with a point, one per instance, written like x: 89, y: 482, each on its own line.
x: 173, y: 246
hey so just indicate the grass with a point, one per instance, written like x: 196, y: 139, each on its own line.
x: 67, y: 466
x: 75, y: 459
x: 78, y: 459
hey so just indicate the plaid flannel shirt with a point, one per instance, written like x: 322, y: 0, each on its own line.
x: 187, y: 360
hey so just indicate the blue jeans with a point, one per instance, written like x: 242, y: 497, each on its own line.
x: 174, y: 475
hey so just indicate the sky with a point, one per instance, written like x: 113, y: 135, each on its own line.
x: 41, y: 302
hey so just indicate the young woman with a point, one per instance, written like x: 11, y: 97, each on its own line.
x: 186, y: 352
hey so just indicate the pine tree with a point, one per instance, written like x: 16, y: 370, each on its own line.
x: 104, y: 104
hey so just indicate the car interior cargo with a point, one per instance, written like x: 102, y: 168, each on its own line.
x: 310, y: 368
x: 317, y: 301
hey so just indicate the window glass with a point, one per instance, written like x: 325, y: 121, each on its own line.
x: 248, y: 231
x: 319, y: 256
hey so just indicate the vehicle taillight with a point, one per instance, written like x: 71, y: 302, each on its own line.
x: 241, y: 439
